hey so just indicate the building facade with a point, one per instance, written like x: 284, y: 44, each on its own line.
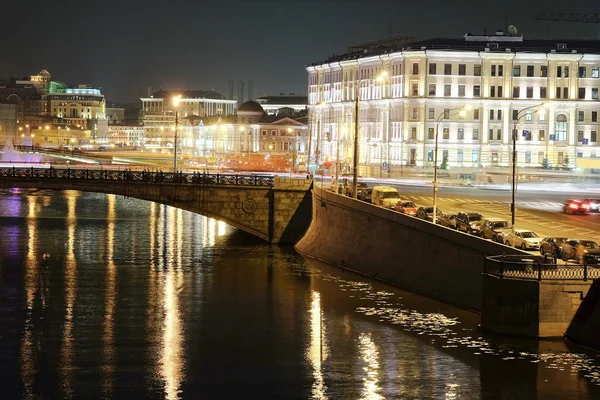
x: 550, y: 87
x: 283, y: 104
x: 122, y: 134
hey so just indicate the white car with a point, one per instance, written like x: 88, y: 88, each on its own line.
x: 525, y: 239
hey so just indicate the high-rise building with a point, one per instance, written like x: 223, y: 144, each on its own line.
x: 550, y: 87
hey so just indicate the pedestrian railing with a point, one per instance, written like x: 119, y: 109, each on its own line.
x: 15, y: 174
x: 537, y: 268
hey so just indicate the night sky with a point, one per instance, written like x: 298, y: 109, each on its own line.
x: 125, y: 46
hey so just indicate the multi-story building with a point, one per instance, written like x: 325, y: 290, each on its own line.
x: 8, y: 122
x: 48, y: 131
x: 126, y: 134
x: 158, y: 111
x: 403, y: 92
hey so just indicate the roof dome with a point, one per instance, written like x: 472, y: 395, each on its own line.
x: 251, y: 106
x: 44, y: 72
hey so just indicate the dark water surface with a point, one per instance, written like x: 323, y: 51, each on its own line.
x: 109, y: 297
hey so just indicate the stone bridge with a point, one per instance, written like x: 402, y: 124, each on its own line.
x: 275, y: 209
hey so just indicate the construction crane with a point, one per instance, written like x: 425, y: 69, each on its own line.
x: 592, y: 18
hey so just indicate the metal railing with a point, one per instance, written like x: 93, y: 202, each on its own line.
x: 14, y: 174
x: 536, y: 268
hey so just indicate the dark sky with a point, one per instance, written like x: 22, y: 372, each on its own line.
x: 125, y: 46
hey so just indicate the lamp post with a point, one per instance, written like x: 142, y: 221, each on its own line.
x: 461, y: 111
x: 355, y: 158
x: 176, y: 104
x: 513, y: 207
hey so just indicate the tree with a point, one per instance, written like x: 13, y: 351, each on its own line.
x: 566, y: 162
x: 546, y: 163
x: 444, y: 164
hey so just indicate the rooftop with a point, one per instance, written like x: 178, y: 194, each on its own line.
x: 286, y: 99
x: 188, y: 94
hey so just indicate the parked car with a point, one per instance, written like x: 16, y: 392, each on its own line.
x: 575, y: 207
x: 449, y: 221
x: 426, y: 213
x: 593, y: 205
x: 551, y: 246
x: 359, y: 186
x: 591, y: 250
x: 494, y: 228
x: 385, y: 196
x: 469, y: 222
x: 524, y: 238
x: 406, y: 207
x: 365, y: 195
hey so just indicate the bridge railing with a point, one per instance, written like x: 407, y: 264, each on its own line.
x: 536, y: 268
x: 13, y: 174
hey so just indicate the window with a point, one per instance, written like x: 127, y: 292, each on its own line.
x: 476, y: 91
x: 493, y: 91
x: 459, y: 156
x: 581, y: 116
x: 541, y: 135
x: 515, y: 115
x: 475, y: 134
x: 447, y: 69
x: 565, y: 93
x: 461, y: 133
x: 461, y: 90
x: 462, y: 69
x: 432, y: 68
x: 447, y: 90
x: 516, y: 91
x: 527, y: 135
x: 544, y: 71
x: 429, y: 155
x: 582, y: 72
x: 500, y: 70
x: 274, y: 133
x: 446, y: 133
x: 477, y: 70
x: 561, y: 158
x: 413, y: 133
x: 476, y: 114
x: 498, y: 134
x: 581, y: 93
x: 528, y: 116
x: 432, y: 87
x: 415, y: 88
x: 558, y: 93
x: 499, y: 116
x: 432, y: 113
x: 516, y: 70
x: 475, y: 156
x: 528, y: 157
x: 594, y: 93
x: 415, y: 113
x: 593, y: 136
x: 415, y: 68
x: 494, y: 157
x: 530, y: 70
x: 579, y: 136
x: 543, y: 92
x: 491, y: 115
x: 566, y: 72
x: 558, y: 72
x: 529, y: 92
x: 493, y: 72
x: 446, y: 113
x: 491, y: 135
x: 594, y: 116
x: 499, y: 91
x: 594, y: 72
x: 560, y: 129
x: 431, y: 133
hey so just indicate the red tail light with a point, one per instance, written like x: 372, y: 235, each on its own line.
x: 573, y: 205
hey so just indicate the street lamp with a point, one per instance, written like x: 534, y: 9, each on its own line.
x: 513, y: 208
x: 176, y: 100
x: 461, y: 111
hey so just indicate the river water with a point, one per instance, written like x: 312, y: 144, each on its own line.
x: 110, y: 297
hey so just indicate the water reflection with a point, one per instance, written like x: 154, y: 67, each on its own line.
x: 317, y: 350
x: 29, y: 357
x: 108, y: 338
x: 370, y: 356
x: 70, y: 296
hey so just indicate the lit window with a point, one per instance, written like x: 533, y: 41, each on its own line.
x: 594, y: 72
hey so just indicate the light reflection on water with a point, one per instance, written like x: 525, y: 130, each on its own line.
x: 142, y: 300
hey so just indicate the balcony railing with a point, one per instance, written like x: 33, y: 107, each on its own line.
x: 537, y: 268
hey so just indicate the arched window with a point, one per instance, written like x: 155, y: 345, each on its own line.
x: 561, y: 128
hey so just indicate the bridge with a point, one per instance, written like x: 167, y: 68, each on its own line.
x: 275, y: 209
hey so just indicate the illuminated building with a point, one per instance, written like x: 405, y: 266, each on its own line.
x: 8, y: 121
x: 125, y: 134
x: 283, y: 104
x: 50, y: 132
x: 402, y: 91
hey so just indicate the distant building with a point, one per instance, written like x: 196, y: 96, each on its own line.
x: 50, y: 131
x: 126, y: 134
x: 8, y: 122
x: 114, y: 113
x: 158, y: 112
x: 283, y: 104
